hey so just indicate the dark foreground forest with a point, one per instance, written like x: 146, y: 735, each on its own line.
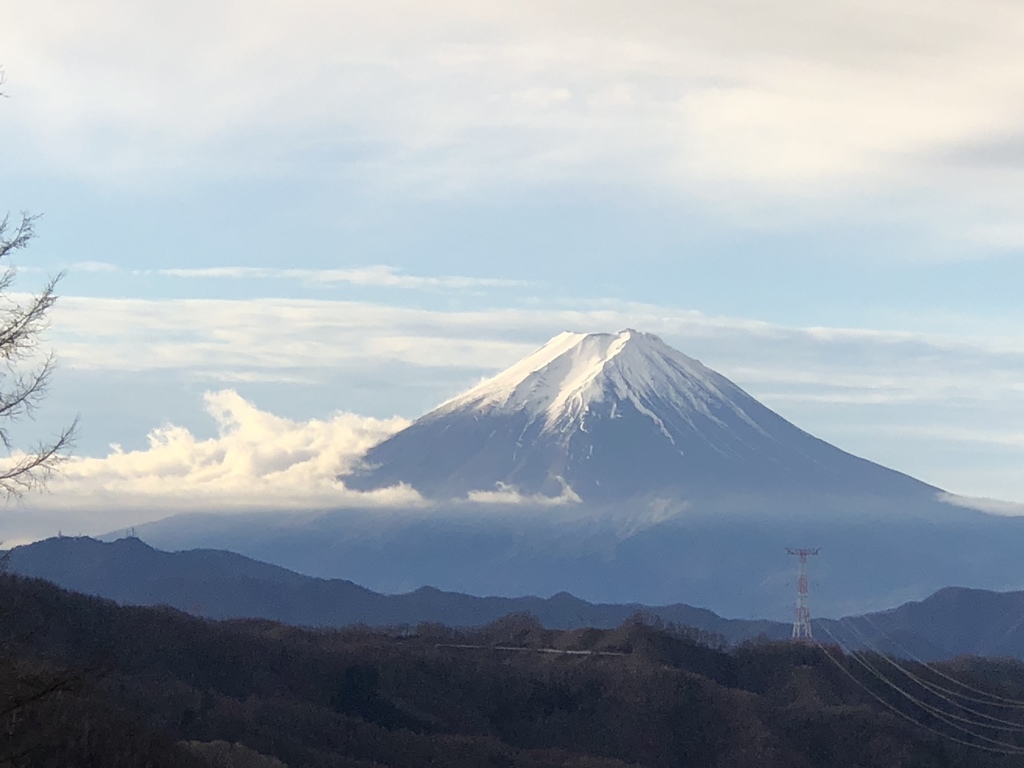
x: 85, y: 682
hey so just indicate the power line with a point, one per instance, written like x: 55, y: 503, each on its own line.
x: 940, y: 691
x: 948, y: 718
x: 943, y: 693
x: 997, y: 701
x: 896, y: 711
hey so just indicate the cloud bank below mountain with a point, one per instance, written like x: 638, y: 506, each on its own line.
x: 257, y: 460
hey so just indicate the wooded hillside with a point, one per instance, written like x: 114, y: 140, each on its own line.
x: 88, y: 683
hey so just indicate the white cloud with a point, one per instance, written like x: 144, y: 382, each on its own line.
x: 76, y: 266
x: 1001, y: 438
x: 956, y: 391
x: 269, y: 337
x: 290, y: 340
x: 256, y: 461
x: 507, y: 494
x: 378, y: 275
x: 746, y: 107
x: 991, y: 506
x: 94, y: 266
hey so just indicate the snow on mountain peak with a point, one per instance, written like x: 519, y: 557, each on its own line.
x: 560, y: 381
x: 610, y: 416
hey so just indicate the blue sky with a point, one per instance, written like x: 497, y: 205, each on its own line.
x: 325, y: 212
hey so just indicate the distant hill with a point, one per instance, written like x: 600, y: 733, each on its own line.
x: 953, y: 621
x: 728, y: 556
x: 223, y: 585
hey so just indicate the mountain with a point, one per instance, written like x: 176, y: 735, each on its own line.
x: 224, y: 585
x: 605, y: 417
x: 726, y: 555
x: 618, y: 469
x: 953, y: 621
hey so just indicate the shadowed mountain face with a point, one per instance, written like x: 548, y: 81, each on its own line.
x: 606, y: 417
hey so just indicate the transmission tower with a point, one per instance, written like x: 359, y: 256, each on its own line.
x: 802, y: 614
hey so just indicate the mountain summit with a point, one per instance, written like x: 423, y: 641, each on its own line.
x: 605, y: 417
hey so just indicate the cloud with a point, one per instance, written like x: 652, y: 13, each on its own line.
x: 933, y: 404
x: 745, y: 109
x: 94, y: 266
x: 507, y: 494
x: 379, y: 275
x: 256, y: 461
x: 235, y: 337
x: 292, y: 340
x: 991, y: 506
x: 1001, y: 438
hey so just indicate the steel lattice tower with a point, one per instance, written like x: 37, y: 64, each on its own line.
x: 802, y: 614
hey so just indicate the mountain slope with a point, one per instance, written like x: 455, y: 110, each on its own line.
x: 951, y: 622
x: 224, y: 585
x: 89, y: 683
x: 607, y: 417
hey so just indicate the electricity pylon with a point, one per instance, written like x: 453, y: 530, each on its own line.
x: 802, y: 614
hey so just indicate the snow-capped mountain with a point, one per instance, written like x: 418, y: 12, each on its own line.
x: 604, y: 417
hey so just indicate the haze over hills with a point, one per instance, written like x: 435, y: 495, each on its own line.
x: 618, y: 469
x: 224, y: 585
x: 605, y: 417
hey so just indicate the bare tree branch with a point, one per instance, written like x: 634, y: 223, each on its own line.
x: 21, y: 324
x: 21, y: 327
x: 20, y: 237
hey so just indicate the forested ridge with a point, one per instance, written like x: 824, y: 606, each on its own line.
x: 86, y: 682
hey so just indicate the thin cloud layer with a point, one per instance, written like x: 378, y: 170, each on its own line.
x: 507, y: 494
x: 943, y: 400
x: 989, y: 506
x: 736, y: 103
x: 256, y: 461
x: 291, y: 340
x: 379, y: 275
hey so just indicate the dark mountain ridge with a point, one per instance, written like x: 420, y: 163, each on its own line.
x: 728, y: 555
x: 224, y: 585
x: 89, y: 683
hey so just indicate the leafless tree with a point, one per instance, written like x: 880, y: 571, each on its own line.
x: 24, y: 376
x: 24, y: 372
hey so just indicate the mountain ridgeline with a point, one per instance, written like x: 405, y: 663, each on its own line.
x: 224, y: 585
x: 605, y: 417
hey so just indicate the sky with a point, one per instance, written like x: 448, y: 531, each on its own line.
x: 289, y: 228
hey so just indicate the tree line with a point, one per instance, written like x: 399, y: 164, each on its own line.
x: 86, y: 682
